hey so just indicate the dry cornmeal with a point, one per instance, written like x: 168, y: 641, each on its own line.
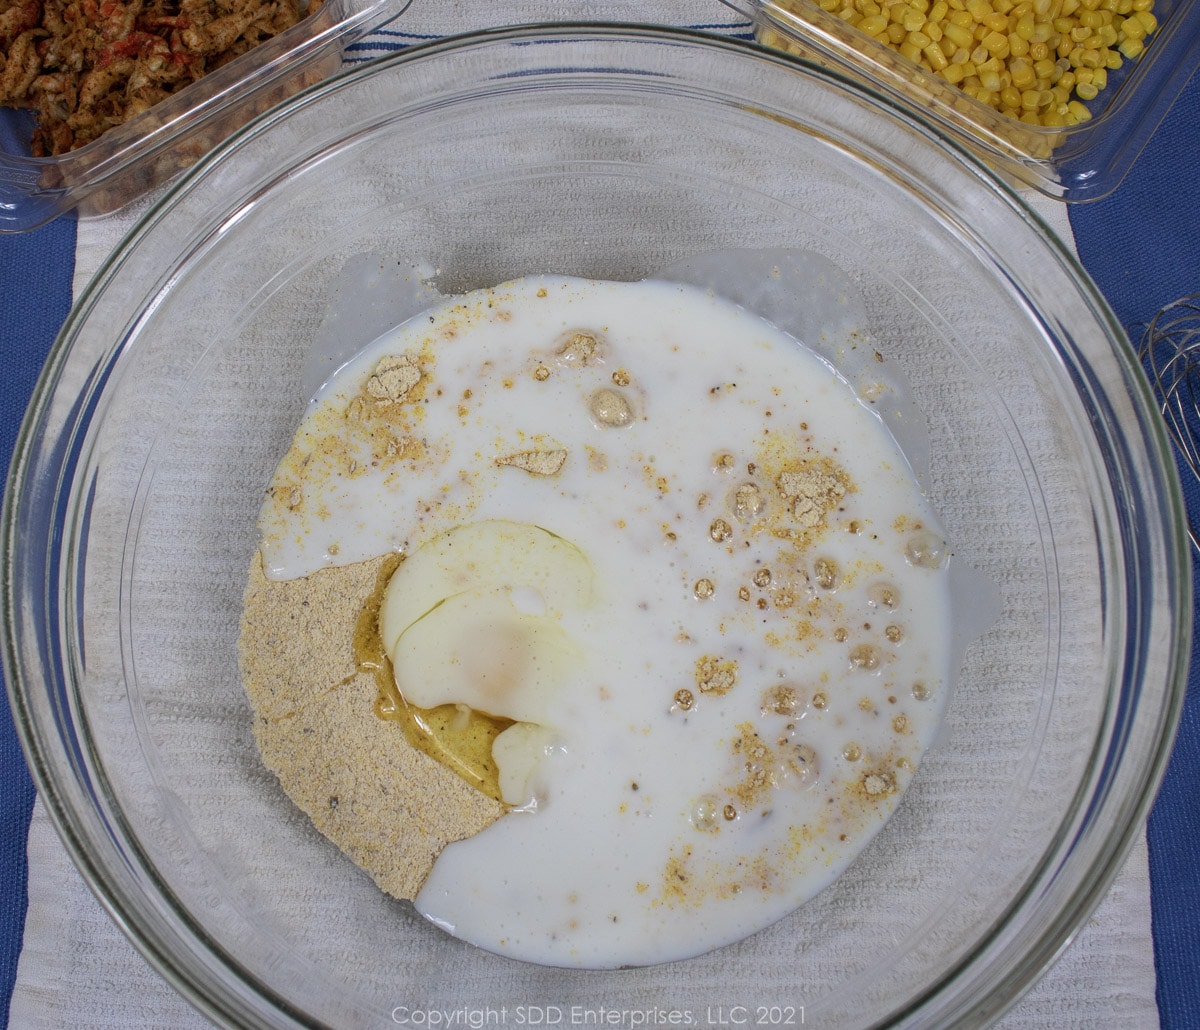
x: 388, y: 806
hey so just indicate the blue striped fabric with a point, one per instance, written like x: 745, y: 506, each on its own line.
x: 389, y: 41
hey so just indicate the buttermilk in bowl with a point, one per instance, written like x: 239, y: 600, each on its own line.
x: 605, y: 621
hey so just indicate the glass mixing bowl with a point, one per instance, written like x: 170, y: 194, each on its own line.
x: 614, y: 152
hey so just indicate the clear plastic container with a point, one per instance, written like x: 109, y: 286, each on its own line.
x: 151, y: 148
x: 1076, y: 163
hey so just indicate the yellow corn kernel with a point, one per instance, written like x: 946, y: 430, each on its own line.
x: 1091, y: 59
x: 953, y: 73
x: 911, y: 51
x: 874, y: 25
x: 1052, y: 118
x: 1010, y: 96
x: 1100, y: 78
x: 1023, y: 75
x: 959, y: 36
x: 1080, y: 33
x: 1131, y: 48
x: 933, y: 30
x: 1017, y: 47
x: 996, y: 22
x: 1067, y: 82
x: 1142, y: 5
x: 1132, y: 28
x: 1025, y: 26
x: 939, y: 11
x: 1082, y: 75
x: 936, y: 57
x: 990, y: 81
x: 1146, y: 17
x: 896, y: 34
x: 963, y: 19
x: 919, y: 40
x: 996, y: 45
x: 1108, y: 35
x: 1090, y: 19
x: 1038, y: 52
x: 1086, y: 91
x: 979, y: 9
x: 1081, y: 113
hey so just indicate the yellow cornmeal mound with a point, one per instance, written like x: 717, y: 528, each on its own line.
x: 388, y: 806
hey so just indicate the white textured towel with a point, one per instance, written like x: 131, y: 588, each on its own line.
x: 77, y: 970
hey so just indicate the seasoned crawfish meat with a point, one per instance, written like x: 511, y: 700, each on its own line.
x: 85, y: 66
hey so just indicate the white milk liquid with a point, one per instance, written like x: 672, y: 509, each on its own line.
x: 750, y: 698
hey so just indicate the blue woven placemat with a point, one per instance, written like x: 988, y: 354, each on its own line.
x: 1142, y: 246
x: 35, y: 287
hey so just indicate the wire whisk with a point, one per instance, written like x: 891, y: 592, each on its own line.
x: 1170, y: 351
